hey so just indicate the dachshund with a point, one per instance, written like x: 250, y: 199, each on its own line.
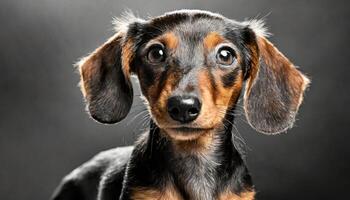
x: 191, y: 66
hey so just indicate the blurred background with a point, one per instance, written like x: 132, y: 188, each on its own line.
x: 45, y: 131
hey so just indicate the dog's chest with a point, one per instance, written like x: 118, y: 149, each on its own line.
x: 192, y: 177
x: 197, y: 179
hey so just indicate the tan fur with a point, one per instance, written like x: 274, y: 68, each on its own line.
x: 216, y: 102
x: 168, y: 193
x: 127, y: 55
x: 254, y: 66
x: 227, y: 96
x: 170, y: 40
x: 249, y: 195
x: 158, y: 101
x: 212, y: 39
x: 201, y: 142
x: 209, y: 116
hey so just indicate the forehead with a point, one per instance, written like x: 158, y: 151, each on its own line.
x: 188, y: 26
x: 191, y: 25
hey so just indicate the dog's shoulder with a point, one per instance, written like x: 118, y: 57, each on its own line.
x: 98, y: 173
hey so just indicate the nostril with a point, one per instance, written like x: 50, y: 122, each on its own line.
x: 192, y: 112
x: 174, y: 111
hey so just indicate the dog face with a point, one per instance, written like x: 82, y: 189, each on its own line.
x: 191, y: 66
x: 193, y: 71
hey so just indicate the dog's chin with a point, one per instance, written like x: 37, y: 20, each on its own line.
x: 186, y: 133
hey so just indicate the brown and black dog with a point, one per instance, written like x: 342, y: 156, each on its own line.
x: 191, y: 66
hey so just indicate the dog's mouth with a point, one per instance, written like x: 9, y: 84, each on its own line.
x: 186, y: 129
x: 186, y: 133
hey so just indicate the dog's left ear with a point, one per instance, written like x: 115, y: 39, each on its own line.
x: 274, y: 89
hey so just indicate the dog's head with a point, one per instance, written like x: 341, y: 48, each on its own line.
x: 191, y: 66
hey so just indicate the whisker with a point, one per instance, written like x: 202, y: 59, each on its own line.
x: 137, y: 115
x: 141, y: 125
x: 238, y: 141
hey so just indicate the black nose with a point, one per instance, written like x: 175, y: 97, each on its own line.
x: 183, y: 109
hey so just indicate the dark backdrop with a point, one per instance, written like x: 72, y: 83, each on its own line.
x: 45, y: 132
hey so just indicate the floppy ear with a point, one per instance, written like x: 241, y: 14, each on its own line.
x: 274, y: 90
x: 105, y: 82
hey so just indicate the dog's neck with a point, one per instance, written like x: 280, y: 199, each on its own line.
x: 196, y: 171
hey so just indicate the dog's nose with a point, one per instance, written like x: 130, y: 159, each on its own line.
x: 183, y: 109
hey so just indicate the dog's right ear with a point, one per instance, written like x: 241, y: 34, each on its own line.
x: 105, y: 73
x: 105, y: 80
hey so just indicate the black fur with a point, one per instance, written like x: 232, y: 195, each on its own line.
x: 229, y: 78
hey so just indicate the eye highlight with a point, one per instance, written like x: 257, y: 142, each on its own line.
x: 156, y: 54
x: 225, y: 56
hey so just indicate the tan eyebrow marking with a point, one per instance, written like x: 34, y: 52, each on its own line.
x: 212, y: 39
x: 170, y: 40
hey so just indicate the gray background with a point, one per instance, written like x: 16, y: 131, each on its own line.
x: 45, y: 132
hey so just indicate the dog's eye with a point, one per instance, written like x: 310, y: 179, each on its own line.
x: 156, y: 54
x: 225, y: 56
